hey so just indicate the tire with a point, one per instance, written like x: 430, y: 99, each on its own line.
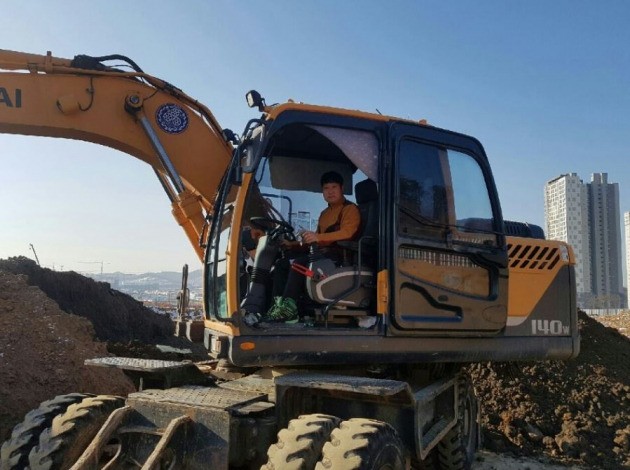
x: 25, y: 436
x: 70, y: 433
x: 430, y: 463
x: 299, y: 445
x: 456, y: 451
x: 363, y: 444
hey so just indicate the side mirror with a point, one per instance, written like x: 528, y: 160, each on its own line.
x: 250, y: 150
x: 236, y: 175
x: 247, y: 158
x: 230, y: 136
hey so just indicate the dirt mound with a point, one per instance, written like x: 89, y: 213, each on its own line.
x: 115, y: 316
x: 574, y: 411
x: 50, y: 322
x: 620, y: 322
x: 42, y: 350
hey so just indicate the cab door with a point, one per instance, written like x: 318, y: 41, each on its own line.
x: 449, y: 259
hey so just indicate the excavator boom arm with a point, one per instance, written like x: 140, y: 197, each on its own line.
x: 133, y: 112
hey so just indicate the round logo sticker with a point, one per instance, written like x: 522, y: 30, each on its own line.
x: 171, y: 118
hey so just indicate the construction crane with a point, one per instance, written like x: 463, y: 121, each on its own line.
x: 35, y: 253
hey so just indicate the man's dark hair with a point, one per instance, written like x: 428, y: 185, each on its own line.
x: 331, y: 177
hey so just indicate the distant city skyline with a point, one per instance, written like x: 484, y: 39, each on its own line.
x: 605, y: 234
x: 566, y: 219
x: 588, y: 217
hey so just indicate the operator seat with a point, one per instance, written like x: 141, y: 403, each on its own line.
x: 350, y: 286
x: 366, y: 194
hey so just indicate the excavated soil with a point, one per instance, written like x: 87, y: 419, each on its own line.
x: 42, y: 350
x: 114, y: 315
x: 51, y: 322
x: 562, y: 412
x: 575, y: 412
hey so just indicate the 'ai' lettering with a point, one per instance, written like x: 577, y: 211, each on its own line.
x: 11, y: 100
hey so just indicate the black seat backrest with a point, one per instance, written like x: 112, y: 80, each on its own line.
x: 366, y: 194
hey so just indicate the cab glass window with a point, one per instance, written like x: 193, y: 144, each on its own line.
x: 469, y: 187
x: 473, y: 210
x: 422, y: 190
x: 217, y: 285
x: 442, y: 192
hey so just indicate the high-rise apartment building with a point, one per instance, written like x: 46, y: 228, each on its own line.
x: 567, y: 219
x: 626, y: 220
x: 587, y: 217
x: 606, y: 258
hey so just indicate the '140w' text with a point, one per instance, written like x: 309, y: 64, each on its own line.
x: 549, y: 327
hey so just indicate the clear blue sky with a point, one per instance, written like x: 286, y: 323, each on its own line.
x: 544, y: 86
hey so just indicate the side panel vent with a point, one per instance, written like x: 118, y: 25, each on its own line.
x: 525, y: 256
x: 435, y: 258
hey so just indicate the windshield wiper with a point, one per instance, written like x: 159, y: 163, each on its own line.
x: 448, y: 227
x: 421, y: 218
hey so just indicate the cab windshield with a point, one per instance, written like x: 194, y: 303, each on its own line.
x: 287, y: 182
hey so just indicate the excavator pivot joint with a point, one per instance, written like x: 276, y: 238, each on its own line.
x: 133, y: 104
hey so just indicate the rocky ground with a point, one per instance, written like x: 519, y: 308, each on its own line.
x: 574, y: 412
x: 540, y: 415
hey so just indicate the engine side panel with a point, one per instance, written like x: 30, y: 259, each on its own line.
x: 542, y: 296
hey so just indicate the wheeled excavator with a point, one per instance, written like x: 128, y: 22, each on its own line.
x: 370, y: 376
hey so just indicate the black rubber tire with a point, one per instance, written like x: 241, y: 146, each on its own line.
x: 25, y: 436
x: 430, y: 463
x: 363, y: 444
x: 299, y: 445
x: 71, y: 432
x: 456, y: 451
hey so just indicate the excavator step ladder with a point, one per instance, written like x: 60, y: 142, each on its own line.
x: 163, y: 452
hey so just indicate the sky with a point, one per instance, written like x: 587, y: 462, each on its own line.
x: 543, y: 85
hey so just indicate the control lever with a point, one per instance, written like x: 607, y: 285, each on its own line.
x: 316, y: 276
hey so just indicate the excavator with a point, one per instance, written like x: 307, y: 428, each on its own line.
x: 372, y: 373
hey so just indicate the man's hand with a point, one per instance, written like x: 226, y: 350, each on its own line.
x: 257, y: 233
x: 310, y: 237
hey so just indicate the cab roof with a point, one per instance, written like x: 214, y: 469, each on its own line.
x: 272, y: 112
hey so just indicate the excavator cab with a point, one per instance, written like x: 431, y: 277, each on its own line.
x: 431, y: 258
